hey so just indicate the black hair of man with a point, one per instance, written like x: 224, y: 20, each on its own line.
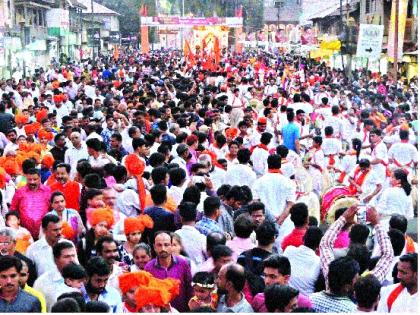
x: 211, y: 205
x: 266, y: 138
x: 312, y: 237
x: 220, y: 251
x: 159, y: 175
x: 158, y: 194
x: 282, y: 150
x: 360, y: 253
x: 97, y: 307
x: 137, y: 143
x: 329, y: 130
x: 177, y: 176
x: 94, y: 144
x: 411, y: 258
x: 66, y: 305
x: 290, y: 116
x: 278, y: 296
x: 399, y: 222
x: 77, y: 296
x: 397, y: 239
x: 49, y: 218
x: 274, y: 161
x: 97, y: 266
x: 101, y: 241
x: 243, y: 226
x: 256, y: 206
x: 74, y: 271
x: 359, y: 233
x: 8, y: 262
x: 243, y: 156
x: 187, y: 211
x: 156, y: 159
x: 299, y: 214
x: 60, y: 246
x: 341, y: 273
x: 280, y: 263
x: 213, y: 239
x: 366, y: 291
x: 266, y: 233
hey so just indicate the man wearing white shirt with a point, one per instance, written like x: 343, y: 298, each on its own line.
x: 193, y: 241
x: 178, y: 179
x: 403, y: 154
x: 260, y: 154
x: 40, y: 252
x: 51, y: 283
x: 75, y: 153
x: 379, y: 154
x: 278, y: 193
x: 305, y: 263
x: 402, y: 297
x: 242, y: 173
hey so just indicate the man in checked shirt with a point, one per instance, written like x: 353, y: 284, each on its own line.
x: 341, y: 274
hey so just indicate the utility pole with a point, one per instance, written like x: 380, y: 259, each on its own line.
x: 397, y: 9
x: 93, y: 33
x: 341, y: 32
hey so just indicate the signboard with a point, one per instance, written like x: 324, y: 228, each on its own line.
x: 58, y: 18
x: 369, y: 44
x: 190, y: 21
x: 114, y: 37
x: 94, y: 37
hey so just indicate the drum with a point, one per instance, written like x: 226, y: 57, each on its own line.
x: 343, y: 202
x: 331, y: 196
x: 312, y: 201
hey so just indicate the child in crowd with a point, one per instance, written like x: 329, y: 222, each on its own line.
x: 75, y: 276
x: 204, y: 291
x: 23, y: 236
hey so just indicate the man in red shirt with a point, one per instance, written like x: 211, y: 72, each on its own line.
x: 300, y: 218
x: 69, y: 188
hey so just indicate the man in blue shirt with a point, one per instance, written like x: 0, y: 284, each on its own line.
x: 96, y: 288
x: 208, y: 223
x: 291, y: 133
x: 12, y: 298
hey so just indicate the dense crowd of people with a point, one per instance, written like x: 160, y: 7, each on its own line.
x: 151, y: 183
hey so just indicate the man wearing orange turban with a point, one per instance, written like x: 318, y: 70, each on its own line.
x: 135, y: 167
x: 155, y: 296
x: 128, y: 283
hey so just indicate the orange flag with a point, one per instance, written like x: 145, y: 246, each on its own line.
x: 116, y: 53
x: 217, y: 51
x: 188, y: 53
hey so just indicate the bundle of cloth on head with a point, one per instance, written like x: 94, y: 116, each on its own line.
x: 42, y: 114
x: 99, y: 215
x: 31, y: 129
x: 135, y: 167
x: 148, y: 289
x: 21, y: 119
x: 137, y: 224
x: 45, y: 134
x: 10, y: 165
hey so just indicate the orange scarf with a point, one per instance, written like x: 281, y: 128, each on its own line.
x: 275, y: 171
x: 261, y: 146
x: 358, y: 179
x: 393, y: 296
x: 409, y: 245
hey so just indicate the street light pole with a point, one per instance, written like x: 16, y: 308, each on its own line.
x: 397, y: 9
